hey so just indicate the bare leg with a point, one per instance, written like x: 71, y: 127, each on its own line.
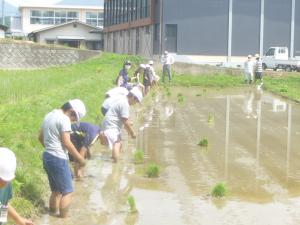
x: 54, y: 202
x: 65, y: 204
x: 116, y: 151
x: 78, y: 168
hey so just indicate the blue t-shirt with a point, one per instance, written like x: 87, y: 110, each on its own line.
x: 85, y: 133
x: 5, y: 195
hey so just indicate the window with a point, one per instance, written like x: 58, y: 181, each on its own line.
x: 94, y: 18
x: 49, y: 17
x: 270, y: 52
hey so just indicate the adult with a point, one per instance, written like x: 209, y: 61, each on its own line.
x: 116, y: 91
x: 258, y: 70
x: 55, y: 137
x: 83, y: 136
x: 8, y: 164
x: 167, y: 60
x: 115, y: 118
x: 248, y: 70
x: 123, y: 78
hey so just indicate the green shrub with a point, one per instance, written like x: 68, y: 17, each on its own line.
x: 138, y: 156
x: 152, y: 170
x: 131, y: 203
x: 219, y: 190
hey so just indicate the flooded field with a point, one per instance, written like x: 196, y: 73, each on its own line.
x: 253, y: 147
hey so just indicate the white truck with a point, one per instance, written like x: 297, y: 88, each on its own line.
x: 278, y: 58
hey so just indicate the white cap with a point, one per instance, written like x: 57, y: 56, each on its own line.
x: 142, y: 66
x: 8, y: 164
x: 79, y: 108
x: 137, y: 93
x: 249, y: 56
x: 150, y: 62
x: 256, y: 55
x: 147, y: 66
x: 166, y: 52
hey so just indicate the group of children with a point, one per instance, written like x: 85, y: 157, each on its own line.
x: 65, y: 138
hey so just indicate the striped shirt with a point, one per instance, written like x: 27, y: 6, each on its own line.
x: 258, y: 66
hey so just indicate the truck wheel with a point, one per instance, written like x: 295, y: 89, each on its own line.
x: 264, y: 66
x: 288, y: 69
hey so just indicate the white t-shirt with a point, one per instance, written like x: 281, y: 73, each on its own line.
x: 54, y: 124
x: 110, y: 101
x: 113, y: 118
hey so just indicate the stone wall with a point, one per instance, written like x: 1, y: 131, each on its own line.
x: 26, y: 56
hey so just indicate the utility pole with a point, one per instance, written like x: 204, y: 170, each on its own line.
x: 2, y: 11
x: 161, y: 36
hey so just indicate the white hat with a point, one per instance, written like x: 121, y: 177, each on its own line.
x: 137, y: 93
x: 150, y: 62
x: 249, y: 56
x: 142, y: 66
x: 166, y: 52
x: 147, y: 66
x: 256, y: 55
x: 8, y: 164
x: 79, y: 108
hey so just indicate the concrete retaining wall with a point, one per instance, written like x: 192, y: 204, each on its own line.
x: 26, y: 56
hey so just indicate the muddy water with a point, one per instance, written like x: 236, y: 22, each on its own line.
x: 253, y: 146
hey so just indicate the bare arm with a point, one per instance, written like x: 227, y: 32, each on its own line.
x: 14, y: 215
x: 128, y: 127
x: 65, y: 137
x: 41, y: 137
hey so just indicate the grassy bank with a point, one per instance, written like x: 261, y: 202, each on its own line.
x: 25, y: 98
x: 286, y: 85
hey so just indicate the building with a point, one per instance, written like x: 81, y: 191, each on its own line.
x: 201, y: 27
x: 35, y: 17
x: 74, y: 34
x: 2, y: 30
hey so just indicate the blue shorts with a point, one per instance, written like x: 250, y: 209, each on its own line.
x: 59, y: 173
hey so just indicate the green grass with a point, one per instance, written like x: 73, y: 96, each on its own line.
x: 203, y: 142
x: 287, y: 85
x: 26, y: 96
x: 152, y: 170
x: 219, y: 190
x: 131, y: 203
x: 138, y: 157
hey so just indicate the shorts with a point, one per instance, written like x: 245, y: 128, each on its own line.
x: 113, y: 136
x: 59, y: 173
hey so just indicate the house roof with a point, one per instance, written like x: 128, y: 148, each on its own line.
x: 3, y: 27
x: 65, y: 24
x: 61, y: 6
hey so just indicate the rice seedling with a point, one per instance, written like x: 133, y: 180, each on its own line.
x: 138, y: 157
x: 219, y: 190
x: 211, y: 118
x: 203, y: 142
x: 131, y: 203
x: 152, y: 170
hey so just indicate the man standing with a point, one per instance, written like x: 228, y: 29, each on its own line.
x: 55, y: 137
x: 248, y: 70
x: 117, y: 116
x: 258, y: 70
x: 167, y: 60
x: 8, y: 164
